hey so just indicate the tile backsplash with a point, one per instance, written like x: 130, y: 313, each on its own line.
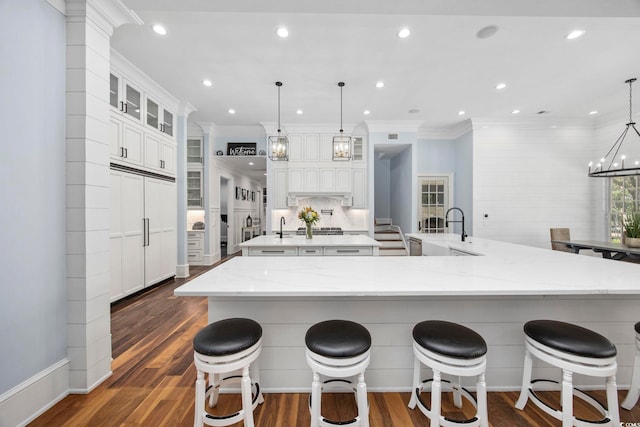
x: 344, y: 217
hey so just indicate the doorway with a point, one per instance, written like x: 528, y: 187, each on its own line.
x: 224, y: 216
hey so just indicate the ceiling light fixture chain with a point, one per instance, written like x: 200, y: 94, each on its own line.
x: 618, y: 169
x: 279, y: 144
x: 341, y: 143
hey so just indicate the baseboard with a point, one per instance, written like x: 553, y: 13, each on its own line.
x: 210, y: 259
x: 28, y: 400
x: 182, y: 271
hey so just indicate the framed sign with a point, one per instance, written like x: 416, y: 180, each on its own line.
x: 241, y: 148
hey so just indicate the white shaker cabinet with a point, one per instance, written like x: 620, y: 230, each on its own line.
x: 159, y: 154
x: 125, y: 98
x: 280, y: 188
x: 125, y: 142
x: 359, y: 186
x: 161, y: 219
x: 158, y: 117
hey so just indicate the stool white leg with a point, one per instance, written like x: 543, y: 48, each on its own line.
x: 416, y: 383
x: 246, y: 397
x: 612, y: 400
x: 526, y: 381
x: 363, y: 405
x: 481, y: 397
x: 567, y: 398
x: 255, y: 376
x: 316, y: 398
x: 634, y: 390
x: 435, y: 399
x: 215, y: 391
x: 457, y: 394
x: 199, y: 404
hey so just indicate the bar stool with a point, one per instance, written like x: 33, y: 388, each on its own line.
x: 452, y: 349
x: 634, y: 390
x: 574, y: 349
x: 339, y: 351
x: 227, y: 350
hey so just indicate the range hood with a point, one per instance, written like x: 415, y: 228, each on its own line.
x: 345, y: 199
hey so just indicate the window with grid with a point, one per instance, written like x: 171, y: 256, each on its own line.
x: 433, y: 203
x: 625, y: 198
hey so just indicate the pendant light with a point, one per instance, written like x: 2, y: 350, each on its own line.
x: 341, y: 143
x: 279, y: 144
x: 616, y: 164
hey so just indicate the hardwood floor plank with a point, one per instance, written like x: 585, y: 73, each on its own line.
x: 154, y: 377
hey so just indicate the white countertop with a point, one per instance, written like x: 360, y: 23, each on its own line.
x: 506, y: 269
x: 302, y: 241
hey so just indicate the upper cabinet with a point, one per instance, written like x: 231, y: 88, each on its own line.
x: 158, y: 117
x: 359, y: 153
x: 125, y: 97
x: 194, y: 150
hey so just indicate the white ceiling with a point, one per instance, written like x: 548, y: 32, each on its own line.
x: 440, y: 69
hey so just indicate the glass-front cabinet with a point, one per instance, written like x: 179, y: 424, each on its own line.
x: 358, y: 149
x: 153, y: 114
x: 125, y: 97
x: 194, y: 150
x: 159, y: 117
x: 194, y: 189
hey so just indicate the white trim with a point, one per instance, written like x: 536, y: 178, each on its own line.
x: 182, y: 271
x: 92, y: 387
x: 59, y: 5
x: 452, y: 132
x: 209, y: 259
x: 25, y: 402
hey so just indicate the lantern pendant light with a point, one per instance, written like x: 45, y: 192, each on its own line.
x: 341, y: 143
x: 616, y: 166
x: 279, y: 144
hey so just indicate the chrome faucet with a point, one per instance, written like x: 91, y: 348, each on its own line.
x: 281, y: 222
x: 463, y: 235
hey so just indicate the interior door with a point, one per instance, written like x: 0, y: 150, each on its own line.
x: 434, y: 193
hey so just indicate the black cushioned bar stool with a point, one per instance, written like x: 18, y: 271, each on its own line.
x: 455, y: 350
x: 573, y: 349
x: 338, y: 352
x: 227, y: 350
x: 634, y: 390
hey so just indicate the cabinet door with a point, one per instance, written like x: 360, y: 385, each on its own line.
x: 359, y: 149
x: 296, y: 180
x: 160, y: 211
x: 114, y: 91
x: 126, y: 234
x: 132, y: 101
x: 296, y: 143
x: 152, y: 151
x: 194, y: 151
x: 343, y: 180
x: 153, y: 114
x: 311, y: 180
x: 167, y: 122
x: 115, y: 139
x: 310, y: 148
x: 326, y: 147
x: 194, y: 189
x: 280, y: 186
x: 132, y: 138
x: 359, y: 191
x: 168, y: 157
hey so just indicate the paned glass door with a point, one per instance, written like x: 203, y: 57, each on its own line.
x: 433, y: 193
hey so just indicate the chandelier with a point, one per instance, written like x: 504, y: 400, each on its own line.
x: 341, y: 143
x: 612, y: 164
x: 279, y: 144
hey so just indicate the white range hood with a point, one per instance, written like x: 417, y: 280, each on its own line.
x: 345, y: 199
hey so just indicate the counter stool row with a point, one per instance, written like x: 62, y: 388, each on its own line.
x: 338, y: 353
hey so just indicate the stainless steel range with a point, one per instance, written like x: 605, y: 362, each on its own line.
x: 322, y: 231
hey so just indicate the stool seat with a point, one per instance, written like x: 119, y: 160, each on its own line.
x: 568, y: 338
x: 228, y: 336
x: 449, y: 339
x: 338, y: 339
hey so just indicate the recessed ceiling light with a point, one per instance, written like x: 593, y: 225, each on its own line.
x: 594, y: 112
x: 575, y: 34
x: 366, y: 112
x: 414, y: 111
x: 404, y: 33
x: 379, y: 84
x: 486, y: 32
x: 159, y: 29
x: 515, y: 112
x: 250, y: 163
x: 207, y: 82
x: 461, y: 113
x: 501, y: 86
x: 299, y: 112
x: 232, y: 111
x: 282, y: 32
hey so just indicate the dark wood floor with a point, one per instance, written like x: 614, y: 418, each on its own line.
x: 153, y: 380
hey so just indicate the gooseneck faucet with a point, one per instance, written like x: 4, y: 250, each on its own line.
x: 281, y: 222
x: 463, y: 235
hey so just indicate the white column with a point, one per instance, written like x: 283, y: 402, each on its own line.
x: 90, y: 24
x: 208, y: 131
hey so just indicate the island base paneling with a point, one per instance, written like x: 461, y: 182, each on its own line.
x: 390, y: 320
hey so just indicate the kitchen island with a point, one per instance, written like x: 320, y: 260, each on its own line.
x: 288, y: 245
x: 494, y: 294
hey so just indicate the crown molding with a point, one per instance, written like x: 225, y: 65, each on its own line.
x: 393, y: 126
x: 450, y: 132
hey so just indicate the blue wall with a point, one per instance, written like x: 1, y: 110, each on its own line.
x: 382, y: 185
x: 33, y: 306
x: 401, y: 190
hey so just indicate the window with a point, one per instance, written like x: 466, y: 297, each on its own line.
x: 625, y: 198
x: 433, y: 192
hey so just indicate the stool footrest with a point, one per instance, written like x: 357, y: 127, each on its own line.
x: 557, y: 414
x: 444, y: 421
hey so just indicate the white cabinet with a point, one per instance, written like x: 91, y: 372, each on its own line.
x: 343, y: 180
x: 195, y: 247
x: 194, y: 150
x: 304, y: 148
x: 194, y: 189
x: 158, y: 117
x: 125, y: 98
x: 280, y: 188
x: 125, y: 142
x: 359, y: 149
x: 159, y: 154
x: 143, y: 238
x: 359, y: 188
